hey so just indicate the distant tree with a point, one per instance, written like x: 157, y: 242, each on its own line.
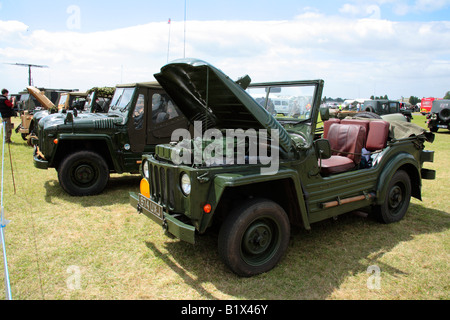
x: 447, y: 95
x: 372, y: 98
x: 414, y: 100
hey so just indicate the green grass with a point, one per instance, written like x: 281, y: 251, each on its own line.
x: 123, y: 255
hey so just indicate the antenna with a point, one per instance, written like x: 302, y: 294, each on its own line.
x: 29, y: 68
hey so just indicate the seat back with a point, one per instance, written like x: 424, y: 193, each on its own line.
x: 347, y: 140
x: 327, y: 124
x: 378, y: 135
x: 359, y: 122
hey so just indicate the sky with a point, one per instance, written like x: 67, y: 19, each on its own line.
x: 399, y: 48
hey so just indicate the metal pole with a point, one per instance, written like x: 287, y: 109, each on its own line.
x: 184, y: 50
x: 29, y: 75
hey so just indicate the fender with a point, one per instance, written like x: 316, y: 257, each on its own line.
x: 394, y: 164
x: 232, y: 180
x: 69, y: 137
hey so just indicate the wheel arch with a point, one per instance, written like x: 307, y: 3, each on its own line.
x: 68, y: 146
x: 285, y: 192
x: 407, y: 163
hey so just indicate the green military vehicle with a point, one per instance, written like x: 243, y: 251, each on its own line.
x: 439, y: 116
x: 375, y: 109
x: 254, y: 177
x: 33, y: 101
x: 95, y: 100
x: 86, y: 147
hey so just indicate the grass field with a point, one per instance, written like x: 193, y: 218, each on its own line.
x: 60, y: 247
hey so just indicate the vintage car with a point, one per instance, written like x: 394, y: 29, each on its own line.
x: 439, y: 116
x: 86, y: 147
x: 253, y: 177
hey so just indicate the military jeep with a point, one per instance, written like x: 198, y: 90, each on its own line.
x: 86, y: 147
x: 252, y: 177
x: 439, y: 116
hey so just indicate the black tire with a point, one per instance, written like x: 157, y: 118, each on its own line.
x: 434, y: 129
x: 398, y: 197
x: 83, y: 173
x: 368, y: 115
x: 254, y: 237
x: 444, y: 114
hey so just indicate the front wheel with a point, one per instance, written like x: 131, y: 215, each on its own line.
x: 254, y: 237
x: 83, y: 173
x: 397, y: 199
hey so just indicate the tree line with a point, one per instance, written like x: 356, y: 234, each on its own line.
x: 412, y: 100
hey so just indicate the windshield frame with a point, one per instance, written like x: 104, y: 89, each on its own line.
x: 122, y: 100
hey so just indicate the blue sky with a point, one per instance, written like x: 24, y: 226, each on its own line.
x: 104, y: 15
x: 360, y: 48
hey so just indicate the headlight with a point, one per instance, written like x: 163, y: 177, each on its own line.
x: 145, y: 170
x: 185, y: 184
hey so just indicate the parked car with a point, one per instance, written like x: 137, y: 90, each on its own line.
x: 86, y: 147
x: 254, y: 177
x: 439, y: 116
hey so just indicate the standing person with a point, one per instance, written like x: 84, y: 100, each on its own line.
x: 6, y: 110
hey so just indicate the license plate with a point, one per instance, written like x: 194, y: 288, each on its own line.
x: 152, y: 207
x: 442, y: 126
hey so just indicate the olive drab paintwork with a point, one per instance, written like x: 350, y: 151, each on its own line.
x: 254, y: 211
x: 85, y: 147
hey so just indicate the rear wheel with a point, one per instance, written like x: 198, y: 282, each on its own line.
x: 254, y: 237
x: 83, y: 173
x: 397, y: 199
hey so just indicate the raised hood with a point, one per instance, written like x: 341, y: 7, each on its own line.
x: 204, y: 93
x: 41, y: 98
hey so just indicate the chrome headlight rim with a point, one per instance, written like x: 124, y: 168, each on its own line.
x: 185, y: 183
x: 146, y: 169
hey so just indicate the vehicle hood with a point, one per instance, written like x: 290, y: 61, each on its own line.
x: 43, y: 100
x: 81, y: 121
x: 204, y: 93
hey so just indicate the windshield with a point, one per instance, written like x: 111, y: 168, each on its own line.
x: 122, y: 99
x: 62, y: 100
x: 285, y: 101
x: 88, y: 103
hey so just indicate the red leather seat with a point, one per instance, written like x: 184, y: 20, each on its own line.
x: 327, y: 124
x: 346, y: 141
x: 378, y: 135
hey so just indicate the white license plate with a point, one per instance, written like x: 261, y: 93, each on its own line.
x: 153, y: 207
x: 442, y: 126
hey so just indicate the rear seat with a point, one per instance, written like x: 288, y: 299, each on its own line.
x: 347, y: 139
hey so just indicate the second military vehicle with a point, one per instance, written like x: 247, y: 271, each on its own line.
x: 85, y: 148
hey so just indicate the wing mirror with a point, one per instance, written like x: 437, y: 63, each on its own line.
x: 324, y: 113
x: 323, y: 148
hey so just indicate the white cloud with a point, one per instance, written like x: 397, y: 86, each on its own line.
x: 355, y: 56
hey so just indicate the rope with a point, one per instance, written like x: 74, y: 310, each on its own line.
x: 24, y: 195
x: 3, y: 225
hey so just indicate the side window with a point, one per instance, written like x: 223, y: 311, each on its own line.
x: 394, y: 108
x: 162, y: 108
x: 138, y: 114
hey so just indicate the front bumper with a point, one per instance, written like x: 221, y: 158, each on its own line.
x: 38, y: 160
x: 169, y: 223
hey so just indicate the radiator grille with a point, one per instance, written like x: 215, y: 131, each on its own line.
x: 162, y: 185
